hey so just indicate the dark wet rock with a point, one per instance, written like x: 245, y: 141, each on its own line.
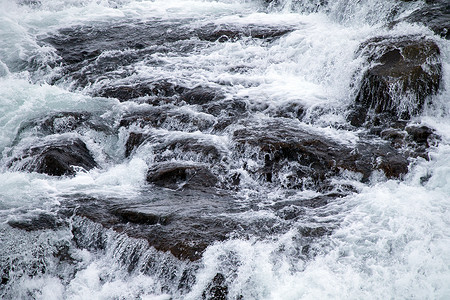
x: 178, y: 148
x: 415, y: 134
x: 381, y: 156
x: 185, y: 222
x: 201, y: 95
x: 95, y: 53
x: 170, y: 223
x: 32, y: 3
x: 56, y: 159
x: 185, y: 237
x: 92, y: 53
x: 419, y: 139
x: 168, y: 117
x: 435, y: 15
x: 80, y: 43
x: 161, y: 90
x: 217, y: 289
x: 154, y: 117
x: 187, y: 148
x: 64, y: 122
x: 224, y: 33
x: 412, y: 140
x: 419, y: 134
x: 310, y: 158
x: 135, y: 139
x: 60, y: 123
x: 279, y: 146
x: 177, y: 175
x: 139, y: 217
x: 393, y: 167
x: 291, y: 111
x: 406, y: 71
x: 39, y: 222
x: 4, y: 276
x: 133, y: 91
x: 314, y: 231
x: 234, y: 179
x: 395, y: 136
x: 227, y: 112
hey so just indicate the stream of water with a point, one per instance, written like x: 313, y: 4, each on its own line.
x: 179, y: 104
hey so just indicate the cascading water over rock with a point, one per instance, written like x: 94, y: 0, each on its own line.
x: 224, y: 150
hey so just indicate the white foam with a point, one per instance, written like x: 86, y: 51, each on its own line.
x: 393, y: 237
x: 393, y: 242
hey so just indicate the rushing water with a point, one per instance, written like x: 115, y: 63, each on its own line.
x: 203, y: 85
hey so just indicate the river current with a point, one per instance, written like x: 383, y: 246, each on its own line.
x: 211, y: 153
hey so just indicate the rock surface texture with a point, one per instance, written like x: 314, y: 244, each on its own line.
x: 403, y: 72
x: 64, y: 157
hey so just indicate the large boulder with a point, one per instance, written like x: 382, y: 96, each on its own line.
x: 403, y: 73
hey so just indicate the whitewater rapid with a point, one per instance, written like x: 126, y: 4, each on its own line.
x: 387, y: 238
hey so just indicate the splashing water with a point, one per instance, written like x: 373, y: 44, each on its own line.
x: 205, y: 88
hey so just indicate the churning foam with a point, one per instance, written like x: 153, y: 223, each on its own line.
x: 393, y: 237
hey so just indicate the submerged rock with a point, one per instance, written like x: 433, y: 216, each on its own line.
x: 181, y: 175
x: 32, y: 3
x: 95, y: 55
x: 168, y: 117
x: 185, y: 222
x: 310, y: 159
x: 161, y: 90
x: 136, y: 90
x: 39, y: 222
x: 223, y: 33
x: 154, y: 117
x: 171, y: 221
x: 182, y: 147
x: 59, y: 158
x: 201, y: 95
x: 139, y: 217
x: 403, y: 73
x: 64, y: 122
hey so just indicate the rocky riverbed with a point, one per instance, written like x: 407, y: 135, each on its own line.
x: 160, y: 150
